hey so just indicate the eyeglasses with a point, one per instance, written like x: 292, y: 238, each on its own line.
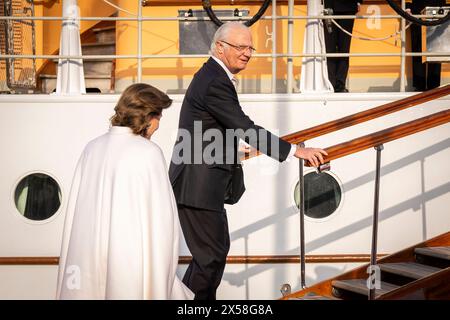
x: 240, y: 48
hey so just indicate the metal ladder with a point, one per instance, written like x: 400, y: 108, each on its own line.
x: 17, y: 37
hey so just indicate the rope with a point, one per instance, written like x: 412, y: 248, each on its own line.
x: 119, y: 8
x: 368, y: 39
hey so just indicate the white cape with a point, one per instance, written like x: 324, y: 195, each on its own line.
x: 121, y: 230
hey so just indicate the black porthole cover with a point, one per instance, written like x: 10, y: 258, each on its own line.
x: 323, y: 194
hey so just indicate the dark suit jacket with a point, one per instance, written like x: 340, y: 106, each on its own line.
x: 212, y: 99
x: 344, y: 6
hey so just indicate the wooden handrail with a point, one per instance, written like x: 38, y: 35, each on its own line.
x: 386, y: 135
x: 29, y: 261
x: 267, y: 259
x: 367, y: 115
x: 295, y: 259
x: 154, y: 3
x: 363, y: 116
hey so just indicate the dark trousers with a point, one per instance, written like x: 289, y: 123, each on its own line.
x: 208, y: 239
x: 338, y: 42
x: 426, y: 76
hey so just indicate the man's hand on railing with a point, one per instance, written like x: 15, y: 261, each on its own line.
x: 312, y: 155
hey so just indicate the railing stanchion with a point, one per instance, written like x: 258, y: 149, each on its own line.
x: 290, y: 60
x: 274, y: 47
x: 301, y: 202
x: 139, y: 59
x: 373, y: 255
x: 403, y: 51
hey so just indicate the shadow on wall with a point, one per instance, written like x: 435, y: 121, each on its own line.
x: 415, y: 203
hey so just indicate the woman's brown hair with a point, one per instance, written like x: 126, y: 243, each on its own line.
x: 137, y: 105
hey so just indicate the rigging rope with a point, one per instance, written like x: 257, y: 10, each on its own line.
x: 369, y: 39
x: 119, y: 8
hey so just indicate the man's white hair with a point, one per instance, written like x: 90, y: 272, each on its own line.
x: 223, y: 31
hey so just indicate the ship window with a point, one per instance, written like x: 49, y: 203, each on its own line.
x: 322, y: 195
x: 37, y: 196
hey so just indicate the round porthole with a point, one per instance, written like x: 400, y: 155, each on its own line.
x: 37, y: 196
x: 323, y: 194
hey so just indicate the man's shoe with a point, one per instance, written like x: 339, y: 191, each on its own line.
x: 341, y: 90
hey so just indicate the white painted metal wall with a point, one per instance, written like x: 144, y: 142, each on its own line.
x: 47, y: 134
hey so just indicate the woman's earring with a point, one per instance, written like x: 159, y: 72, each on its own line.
x: 144, y: 132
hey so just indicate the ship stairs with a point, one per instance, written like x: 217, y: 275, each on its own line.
x: 99, y: 74
x: 420, y: 272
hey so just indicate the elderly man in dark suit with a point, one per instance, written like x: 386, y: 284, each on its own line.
x: 203, y: 184
x: 336, y: 41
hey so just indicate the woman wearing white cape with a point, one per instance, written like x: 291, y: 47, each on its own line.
x: 121, y: 230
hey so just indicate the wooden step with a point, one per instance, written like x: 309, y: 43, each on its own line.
x: 102, y: 82
x: 314, y: 296
x: 435, y: 252
x: 359, y: 286
x: 102, y: 29
x: 105, y: 34
x: 105, y: 48
x: 99, y: 76
x: 98, y: 67
x: 434, y: 287
x: 411, y: 270
x: 95, y: 66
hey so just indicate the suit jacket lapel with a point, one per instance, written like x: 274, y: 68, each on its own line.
x: 213, y: 65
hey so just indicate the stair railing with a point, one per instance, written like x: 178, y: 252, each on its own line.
x: 360, y: 117
x: 300, y: 136
x: 301, y: 208
x: 375, y: 140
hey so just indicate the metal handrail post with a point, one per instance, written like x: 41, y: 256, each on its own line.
x: 373, y: 254
x: 403, y: 50
x: 290, y: 60
x: 301, y: 189
x: 195, y: 56
x: 274, y: 46
x: 139, y: 62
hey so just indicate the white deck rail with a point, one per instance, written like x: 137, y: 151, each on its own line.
x: 274, y: 55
